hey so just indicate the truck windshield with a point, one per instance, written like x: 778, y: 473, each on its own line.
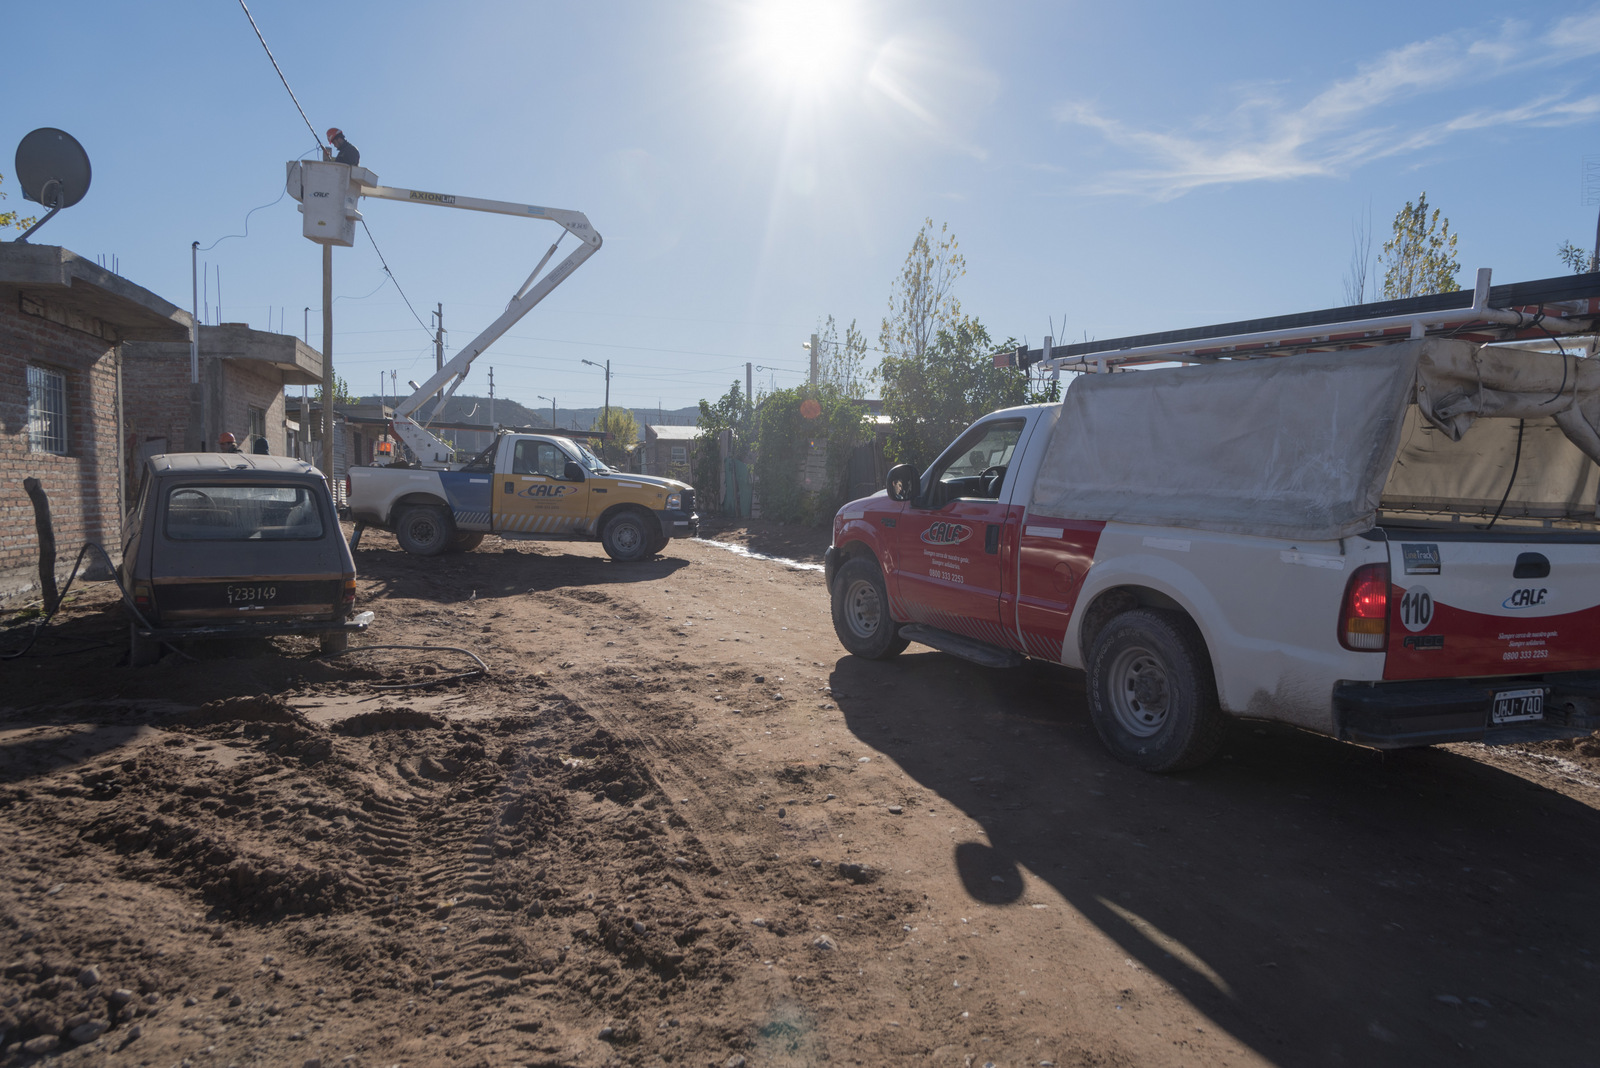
x: 591, y: 461
x: 242, y: 513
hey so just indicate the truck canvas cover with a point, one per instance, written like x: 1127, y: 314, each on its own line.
x: 1310, y: 447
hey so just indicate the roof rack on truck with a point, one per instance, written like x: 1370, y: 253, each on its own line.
x: 1544, y: 311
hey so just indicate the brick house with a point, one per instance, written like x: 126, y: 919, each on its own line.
x: 65, y: 323
x: 243, y: 373
x: 669, y: 451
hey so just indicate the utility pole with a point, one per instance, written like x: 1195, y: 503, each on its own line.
x: 327, y: 363
x: 749, y: 397
x: 491, y: 396
x: 815, y: 347
x: 438, y: 339
x: 605, y: 420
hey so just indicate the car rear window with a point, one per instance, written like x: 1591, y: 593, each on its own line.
x: 242, y: 513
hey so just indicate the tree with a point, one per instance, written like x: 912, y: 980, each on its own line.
x: 623, y: 433
x: 839, y: 363
x: 934, y: 395
x: 791, y: 422
x: 1421, y: 256
x: 924, y: 301
x: 732, y: 412
x: 1578, y: 260
x: 11, y: 218
x: 1355, y: 275
x: 341, y: 392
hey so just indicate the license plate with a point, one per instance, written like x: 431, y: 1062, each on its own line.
x: 1514, y: 706
x: 247, y: 597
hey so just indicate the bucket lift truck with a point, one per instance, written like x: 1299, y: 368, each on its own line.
x: 523, y: 485
x: 328, y: 195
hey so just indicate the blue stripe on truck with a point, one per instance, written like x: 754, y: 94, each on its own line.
x: 469, y: 497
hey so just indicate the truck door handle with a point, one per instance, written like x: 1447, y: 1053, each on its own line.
x: 510, y: 488
x: 991, y: 538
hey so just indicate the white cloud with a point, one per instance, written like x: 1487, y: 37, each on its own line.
x: 1352, y: 121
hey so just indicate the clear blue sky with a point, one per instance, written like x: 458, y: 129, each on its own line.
x: 1119, y: 168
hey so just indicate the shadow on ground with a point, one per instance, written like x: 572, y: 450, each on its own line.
x: 1327, y: 905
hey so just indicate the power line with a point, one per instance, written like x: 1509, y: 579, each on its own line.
x: 393, y: 279
x: 281, y: 78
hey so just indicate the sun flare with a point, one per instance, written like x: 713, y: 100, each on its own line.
x: 802, y: 47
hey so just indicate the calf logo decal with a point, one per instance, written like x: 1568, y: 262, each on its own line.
x: 1528, y: 597
x: 947, y: 534
x: 544, y: 489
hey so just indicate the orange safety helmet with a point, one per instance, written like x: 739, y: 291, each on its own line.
x: 334, y: 133
x: 227, y: 439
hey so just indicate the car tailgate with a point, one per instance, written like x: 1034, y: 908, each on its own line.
x: 1491, y: 603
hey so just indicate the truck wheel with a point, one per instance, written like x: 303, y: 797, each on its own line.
x: 142, y: 651
x: 861, y: 612
x: 625, y: 538
x: 658, y: 545
x: 425, y: 529
x: 333, y: 642
x: 1152, y: 695
x: 465, y: 543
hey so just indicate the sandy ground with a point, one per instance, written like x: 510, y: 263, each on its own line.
x: 675, y: 825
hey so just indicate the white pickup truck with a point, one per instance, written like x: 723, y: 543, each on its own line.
x: 530, y: 486
x: 1395, y: 546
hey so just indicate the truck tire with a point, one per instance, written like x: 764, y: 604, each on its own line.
x: 333, y: 642
x: 861, y: 612
x: 467, y: 541
x: 1152, y: 695
x: 142, y: 651
x: 658, y: 545
x: 425, y: 529
x: 625, y: 537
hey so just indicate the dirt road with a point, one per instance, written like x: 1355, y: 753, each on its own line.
x: 675, y: 825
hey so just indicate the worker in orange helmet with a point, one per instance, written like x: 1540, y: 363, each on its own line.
x: 226, y: 442
x: 348, y: 153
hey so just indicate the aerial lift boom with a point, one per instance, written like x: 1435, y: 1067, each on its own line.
x: 329, y: 194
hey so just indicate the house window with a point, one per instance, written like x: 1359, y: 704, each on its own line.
x: 680, y: 454
x: 258, y: 426
x: 47, y: 411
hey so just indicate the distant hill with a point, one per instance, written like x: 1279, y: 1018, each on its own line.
x: 472, y: 409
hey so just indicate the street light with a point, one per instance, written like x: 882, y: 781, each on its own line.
x: 552, y: 401
x: 605, y: 420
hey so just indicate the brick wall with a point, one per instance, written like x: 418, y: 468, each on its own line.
x: 84, y: 486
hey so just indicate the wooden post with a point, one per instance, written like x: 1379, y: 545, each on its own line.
x: 47, y: 542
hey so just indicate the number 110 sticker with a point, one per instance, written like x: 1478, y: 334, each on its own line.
x: 1416, y: 608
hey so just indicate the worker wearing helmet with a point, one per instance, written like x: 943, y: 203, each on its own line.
x: 348, y: 153
x: 226, y: 442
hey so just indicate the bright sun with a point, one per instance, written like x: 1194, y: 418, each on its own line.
x: 802, y: 46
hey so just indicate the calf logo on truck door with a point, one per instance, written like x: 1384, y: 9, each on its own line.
x: 946, y: 534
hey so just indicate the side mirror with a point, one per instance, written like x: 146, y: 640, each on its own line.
x: 904, y: 483
x: 573, y: 471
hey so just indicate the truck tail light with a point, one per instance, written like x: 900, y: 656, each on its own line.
x: 349, y: 592
x: 141, y: 597
x: 1364, y: 615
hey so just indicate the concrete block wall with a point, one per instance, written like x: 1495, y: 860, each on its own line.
x: 84, y: 486
x: 240, y: 388
x: 155, y: 392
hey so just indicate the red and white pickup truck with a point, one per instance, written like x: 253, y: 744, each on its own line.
x: 1394, y: 546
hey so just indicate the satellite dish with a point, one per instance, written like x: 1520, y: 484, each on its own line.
x: 51, y: 165
x: 53, y: 170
